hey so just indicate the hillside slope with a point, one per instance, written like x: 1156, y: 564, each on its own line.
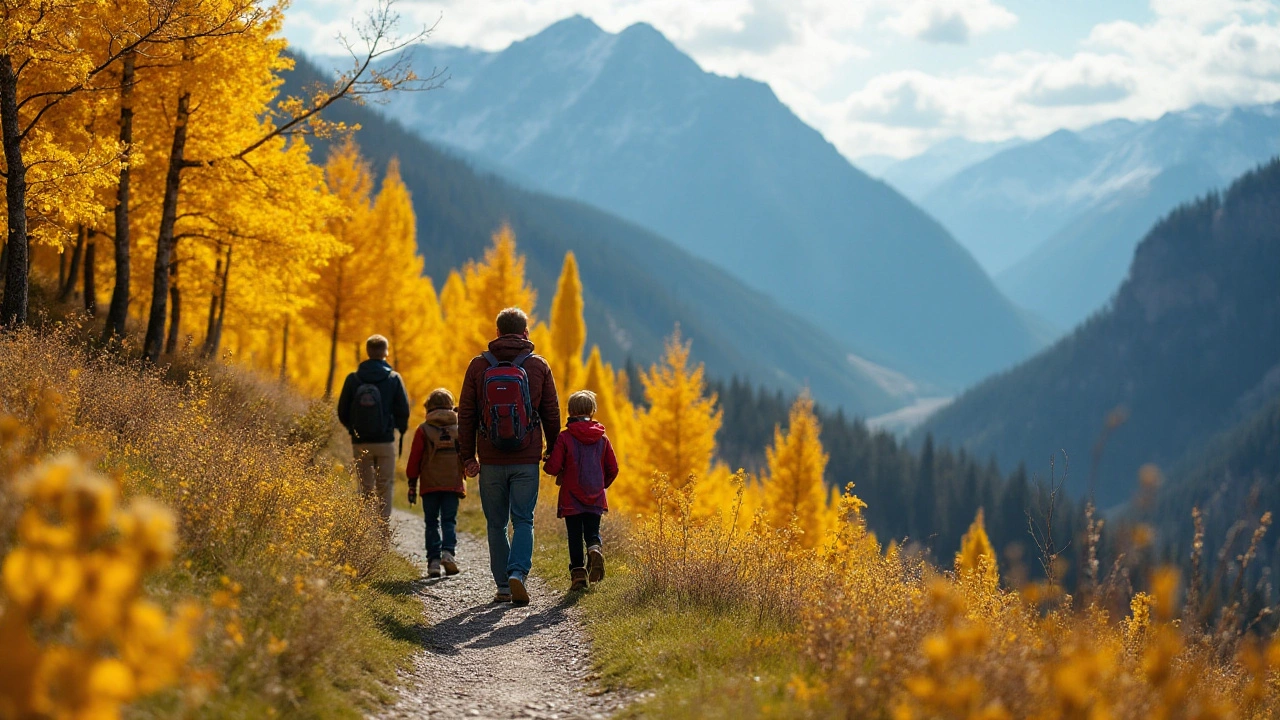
x: 1186, y: 348
x: 637, y: 286
x: 1077, y: 270
x: 630, y: 124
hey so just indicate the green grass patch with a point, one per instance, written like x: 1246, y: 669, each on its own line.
x: 685, y: 662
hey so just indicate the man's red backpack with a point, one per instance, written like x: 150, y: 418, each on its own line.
x: 507, y: 416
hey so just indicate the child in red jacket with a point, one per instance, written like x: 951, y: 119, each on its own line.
x: 584, y: 465
x: 434, y: 460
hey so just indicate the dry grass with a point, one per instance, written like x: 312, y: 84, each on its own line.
x: 871, y: 632
x: 290, y: 565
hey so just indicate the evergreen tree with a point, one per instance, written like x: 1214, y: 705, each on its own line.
x: 795, y: 486
x: 676, y: 434
x: 568, y: 327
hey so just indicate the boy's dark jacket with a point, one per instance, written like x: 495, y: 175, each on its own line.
x: 584, y: 465
x: 424, y: 441
x: 395, y: 401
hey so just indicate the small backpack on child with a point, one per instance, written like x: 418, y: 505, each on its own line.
x: 439, y: 466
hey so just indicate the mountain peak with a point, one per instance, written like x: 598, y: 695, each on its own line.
x: 575, y: 29
x: 647, y: 36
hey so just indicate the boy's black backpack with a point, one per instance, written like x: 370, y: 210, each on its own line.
x: 368, y: 416
x: 507, y: 417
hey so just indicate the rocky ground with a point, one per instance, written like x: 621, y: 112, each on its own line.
x: 481, y: 660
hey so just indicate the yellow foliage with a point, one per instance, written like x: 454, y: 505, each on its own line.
x: 676, y: 434
x: 795, y: 487
x: 977, y: 558
x: 76, y: 571
x: 568, y: 329
x: 497, y: 283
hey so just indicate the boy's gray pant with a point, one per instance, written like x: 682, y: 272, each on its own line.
x: 376, y: 468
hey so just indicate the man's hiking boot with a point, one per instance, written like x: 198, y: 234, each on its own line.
x: 579, y: 577
x: 519, y: 594
x: 595, y: 564
x: 433, y: 568
x: 501, y: 598
x: 450, y: 565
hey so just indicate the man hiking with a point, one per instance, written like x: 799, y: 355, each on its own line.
x: 372, y: 407
x: 508, y: 403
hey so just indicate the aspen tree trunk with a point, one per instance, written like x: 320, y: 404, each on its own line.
x: 119, y: 310
x: 90, y: 277
x: 284, y: 354
x: 62, y: 268
x: 175, y: 310
x: 333, y: 347
x: 212, y: 321
x: 73, y: 273
x: 222, y: 304
x: 13, y: 308
x: 154, y: 340
x: 333, y: 335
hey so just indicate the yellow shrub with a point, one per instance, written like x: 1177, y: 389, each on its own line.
x: 80, y: 637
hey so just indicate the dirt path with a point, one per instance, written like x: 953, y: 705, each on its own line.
x: 494, y: 661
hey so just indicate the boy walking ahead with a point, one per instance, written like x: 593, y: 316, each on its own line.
x: 434, y: 460
x: 584, y: 465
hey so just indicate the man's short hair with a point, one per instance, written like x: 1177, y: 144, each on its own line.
x: 376, y: 347
x: 582, y: 404
x: 512, y: 321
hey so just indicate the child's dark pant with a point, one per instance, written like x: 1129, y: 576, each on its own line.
x: 584, y: 531
x: 440, y: 509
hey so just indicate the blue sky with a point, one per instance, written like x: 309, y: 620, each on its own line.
x: 894, y: 76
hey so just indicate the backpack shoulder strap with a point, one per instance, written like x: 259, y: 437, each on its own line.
x: 519, y: 361
x: 489, y: 358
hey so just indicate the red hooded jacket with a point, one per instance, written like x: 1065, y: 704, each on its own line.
x: 584, y: 465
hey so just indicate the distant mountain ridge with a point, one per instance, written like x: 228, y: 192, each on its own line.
x: 917, y: 176
x: 630, y: 124
x: 1056, y: 220
x: 637, y: 286
x: 1189, y: 348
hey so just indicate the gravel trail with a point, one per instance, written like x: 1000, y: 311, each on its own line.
x: 493, y: 661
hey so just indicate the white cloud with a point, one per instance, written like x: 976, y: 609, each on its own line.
x: 949, y: 21
x: 1086, y: 79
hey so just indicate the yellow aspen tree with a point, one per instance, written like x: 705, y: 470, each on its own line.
x: 498, y: 282
x: 797, y: 464
x: 236, y: 48
x: 540, y: 336
x: 617, y: 418
x: 977, y: 557
x: 568, y: 327
x: 348, y: 279
x: 463, y: 324
x: 52, y: 59
x: 406, y: 304
x: 676, y: 435
x: 599, y: 380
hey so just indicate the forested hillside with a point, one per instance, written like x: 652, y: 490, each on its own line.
x: 1188, y: 349
x: 928, y: 495
x: 1234, y: 478
x: 629, y: 123
x: 638, y: 286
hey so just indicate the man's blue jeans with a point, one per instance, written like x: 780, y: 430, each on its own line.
x: 508, y: 494
x: 440, y: 509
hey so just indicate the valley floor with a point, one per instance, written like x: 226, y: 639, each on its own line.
x: 484, y: 660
